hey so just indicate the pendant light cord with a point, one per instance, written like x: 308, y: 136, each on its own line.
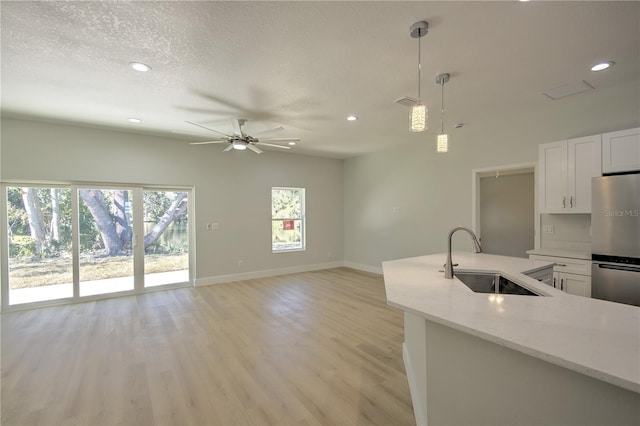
x: 419, y: 63
x: 442, y: 111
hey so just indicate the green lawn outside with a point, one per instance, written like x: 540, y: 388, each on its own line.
x: 25, y: 273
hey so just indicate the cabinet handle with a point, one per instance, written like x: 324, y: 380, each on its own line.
x: 564, y: 199
x: 554, y: 282
x: 562, y: 284
x: 561, y: 264
x: 571, y: 201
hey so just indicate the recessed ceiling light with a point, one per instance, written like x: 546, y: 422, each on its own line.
x: 139, y: 66
x: 523, y: 1
x: 292, y: 143
x: 602, y: 66
x: 134, y: 120
x: 352, y: 118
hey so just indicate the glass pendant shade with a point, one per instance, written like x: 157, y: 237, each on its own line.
x: 442, y: 143
x: 418, y: 117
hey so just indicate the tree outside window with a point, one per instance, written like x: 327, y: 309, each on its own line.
x: 287, y: 219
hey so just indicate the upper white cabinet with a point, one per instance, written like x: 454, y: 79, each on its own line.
x: 621, y: 151
x: 566, y: 169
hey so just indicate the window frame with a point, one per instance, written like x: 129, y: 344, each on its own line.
x: 302, y: 219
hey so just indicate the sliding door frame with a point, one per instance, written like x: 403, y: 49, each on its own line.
x: 137, y: 244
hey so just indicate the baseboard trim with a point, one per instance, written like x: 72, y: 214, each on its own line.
x: 220, y: 279
x: 419, y: 411
x: 367, y: 268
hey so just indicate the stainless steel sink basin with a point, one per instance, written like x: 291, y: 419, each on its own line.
x: 488, y: 282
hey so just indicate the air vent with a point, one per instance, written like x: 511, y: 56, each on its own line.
x: 406, y: 101
x: 568, y: 90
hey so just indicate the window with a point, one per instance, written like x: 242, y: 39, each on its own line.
x: 287, y: 219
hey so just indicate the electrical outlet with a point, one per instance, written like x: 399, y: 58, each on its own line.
x: 240, y: 262
x: 547, y: 229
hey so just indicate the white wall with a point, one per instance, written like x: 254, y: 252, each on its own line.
x: 433, y: 191
x: 232, y: 189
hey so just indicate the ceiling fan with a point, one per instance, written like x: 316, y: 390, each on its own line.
x: 241, y: 141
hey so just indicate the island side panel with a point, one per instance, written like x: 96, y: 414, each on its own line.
x: 463, y: 380
x: 415, y: 364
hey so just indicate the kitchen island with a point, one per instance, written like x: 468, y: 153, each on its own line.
x: 478, y: 358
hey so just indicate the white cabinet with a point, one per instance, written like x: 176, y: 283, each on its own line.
x: 580, y: 285
x: 565, y: 173
x: 621, y: 151
x: 570, y: 275
x: 543, y: 275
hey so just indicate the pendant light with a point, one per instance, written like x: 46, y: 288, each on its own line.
x: 442, y: 144
x: 418, y: 114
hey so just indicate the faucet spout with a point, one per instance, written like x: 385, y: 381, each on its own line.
x: 448, y: 267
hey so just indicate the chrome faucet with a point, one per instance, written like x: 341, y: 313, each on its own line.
x: 448, y: 267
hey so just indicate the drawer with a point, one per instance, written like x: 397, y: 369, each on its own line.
x: 566, y: 264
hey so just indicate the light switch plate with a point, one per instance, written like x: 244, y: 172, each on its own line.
x: 547, y: 229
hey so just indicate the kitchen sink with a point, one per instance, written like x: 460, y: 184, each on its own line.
x: 485, y: 282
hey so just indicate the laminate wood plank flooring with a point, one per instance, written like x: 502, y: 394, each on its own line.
x: 314, y: 348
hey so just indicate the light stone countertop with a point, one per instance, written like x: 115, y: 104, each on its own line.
x: 597, y: 338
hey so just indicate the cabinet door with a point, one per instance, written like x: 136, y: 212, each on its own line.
x: 556, y: 280
x: 621, y: 151
x: 584, y: 161
x: 580, y: 285
x: 553, y: 177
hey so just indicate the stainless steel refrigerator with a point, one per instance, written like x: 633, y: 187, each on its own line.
x: 615, y: 238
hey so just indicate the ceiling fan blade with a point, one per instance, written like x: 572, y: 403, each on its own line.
x: 281, y: 140
x: 214, y: 131
x: 209, y: 142
x: 237, y: 126
x: 273, y: 146
x: 229, y: 148
x: 273, y: 129
x: 209, y: 111
x: 254, y: 148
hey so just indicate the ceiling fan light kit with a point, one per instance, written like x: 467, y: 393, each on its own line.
x: 418, y: 113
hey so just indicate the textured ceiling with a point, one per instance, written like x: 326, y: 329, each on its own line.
x: 306, y: 65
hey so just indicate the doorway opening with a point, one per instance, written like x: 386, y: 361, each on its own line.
x: 504, y: 209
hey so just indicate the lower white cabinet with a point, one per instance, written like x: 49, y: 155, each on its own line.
x: 580, y: 285
x: 543, y: 275
x: 570, y: 275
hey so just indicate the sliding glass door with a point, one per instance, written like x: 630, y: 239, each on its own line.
x: 40, y: 265
x: 166, y: 237
x: 78, y: 242
x: 105, y: 240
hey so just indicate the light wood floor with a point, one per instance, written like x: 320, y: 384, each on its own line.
x: 302, y: 349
